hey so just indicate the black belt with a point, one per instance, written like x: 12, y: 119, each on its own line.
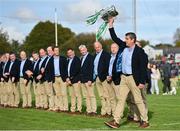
x: 127, y: 74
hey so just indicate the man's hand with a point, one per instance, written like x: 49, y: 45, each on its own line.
x: 29, y: 73
x: 39, y: 77
x: 109, y: 78
x: 110, y: 22
x: 89, y: 83
x: 6, y: 75
x: 13, y: 79
x: 68, y: 82
x: 42, y: 70
x: 2, y: 79
x: 141, y: 86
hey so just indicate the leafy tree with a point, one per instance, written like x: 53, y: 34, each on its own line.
x: 43, y: 35
x: 4, y: 42
x: 144, y: 43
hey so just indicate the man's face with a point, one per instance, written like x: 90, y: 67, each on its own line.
x: 50, y: 51
x: 56, y: 51
x: 7, y: 56
x: 114, y: 48
x: 35, y: 56
x: 3, y: 58
x: 70, y: 53
x: 12, y: 57
x: 97, y: 47
x: 129, y: 41
x: 83, y: 51
x: 42, y: 52
x: 23, y: 55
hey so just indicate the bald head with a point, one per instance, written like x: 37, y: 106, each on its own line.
x: 114, y: 48
x: 23, y: 55
x: 97, y: 46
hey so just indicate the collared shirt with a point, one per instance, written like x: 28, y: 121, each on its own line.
x: 83, y: 58
x: 35, y: 63
x: 5, y: 63
x: 69, y: 65
x: 47, y: 60
x: 113, y: 57
x: 21, y: 67
x: 96, y: 62
x: 42, y: 59
x: 56, y: 66
x: 12, y: 62
x: 127, y: 60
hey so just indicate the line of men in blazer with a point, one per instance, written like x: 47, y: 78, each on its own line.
x: 52, y: 74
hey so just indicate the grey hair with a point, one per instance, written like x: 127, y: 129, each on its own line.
x: 82, y: 46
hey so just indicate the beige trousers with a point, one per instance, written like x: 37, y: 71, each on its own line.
x: 37, y: 94
x: 75, y: 93
x: 49, y: 92
x: 102, y: 88
x: 112, y: 90
x: 1, y: 92
x: 13, y: 98
x: 25, y: 92
x: 128, y: 84
x: 61, y: 98
x: 42, y: 95
x: 133, y: 109
x: 89, y: 96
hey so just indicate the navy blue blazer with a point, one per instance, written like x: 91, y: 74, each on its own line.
x: 27, y: 66
x: 63, y: 67
x: 86, y: 73
x: 15, y: 70
x: 139, y: 61
x: 75, y: 70
x: 36, y: 71
x: 103, y: 65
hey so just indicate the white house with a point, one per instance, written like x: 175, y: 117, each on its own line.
x: 152, y: 52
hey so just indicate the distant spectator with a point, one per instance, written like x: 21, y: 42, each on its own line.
x: 166, y: 71
x: 155, y: 76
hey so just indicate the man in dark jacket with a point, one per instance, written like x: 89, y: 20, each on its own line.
x: 36, y: 61
x: 41, y: 80
x: 26, y: 69
x: 133, y: 76
x: 5, y: 78
x: 86, y: 76
x: 60, y: 75
x: 74, y: 68
x: 14, y: 98
x: 113, y: 78
x: 101, y: 65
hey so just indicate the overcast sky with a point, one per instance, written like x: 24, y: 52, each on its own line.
x: 157, y: 20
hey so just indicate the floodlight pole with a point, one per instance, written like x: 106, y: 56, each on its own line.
x: 56, y: 37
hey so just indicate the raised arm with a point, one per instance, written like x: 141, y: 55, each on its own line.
x: 114, y: 37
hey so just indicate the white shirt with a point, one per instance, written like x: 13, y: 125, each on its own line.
x: 84, y: 58
x: 127, y: 60
x: 69, y: 65
x: 96, y: 62
x: 113, y: 57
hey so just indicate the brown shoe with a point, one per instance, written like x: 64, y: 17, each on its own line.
x: 131, y: 119
x: 144, y: 124
x: 112, y: 124
x: 105, y: 116
x: 93, y: 113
